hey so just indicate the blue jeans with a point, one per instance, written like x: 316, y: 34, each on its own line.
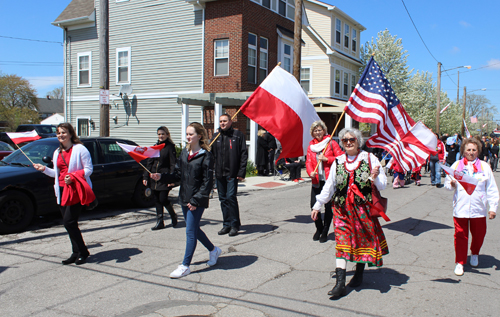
x: 194, y: 233
x: 435, y: 173
x: 494, y: 163
x: 227, y: 189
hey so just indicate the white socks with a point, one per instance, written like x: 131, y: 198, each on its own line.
x: 341, y: 263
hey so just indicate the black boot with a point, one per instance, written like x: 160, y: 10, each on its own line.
x: 339, y: 288
x: 357, y: 279
x: 172, y: 214
x: 71, y: 259
x: 326, y: 227
x: 159, y: 223
x: 319, y: 228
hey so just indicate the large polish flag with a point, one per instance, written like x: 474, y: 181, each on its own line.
x: 141, y: 153
x: 422, y: 137
x: 469, y: 183
x: 20, y: 137
x: 281, y: 106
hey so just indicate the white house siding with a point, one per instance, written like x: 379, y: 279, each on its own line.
x: 166, y: 45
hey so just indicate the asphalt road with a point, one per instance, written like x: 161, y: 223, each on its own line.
x: 272, y: 268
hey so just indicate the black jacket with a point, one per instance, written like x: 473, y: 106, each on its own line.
x: 163, y: 164
x: 230, y: 154
x: 262, y: 152
x: 196, y: 177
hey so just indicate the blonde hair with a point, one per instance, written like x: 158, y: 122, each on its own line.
x: 261, y: 132
x: 316, y: 124
x: 200, y: 130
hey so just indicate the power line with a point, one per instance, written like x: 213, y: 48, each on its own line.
x: 418, y: 31
x: 32, y: 40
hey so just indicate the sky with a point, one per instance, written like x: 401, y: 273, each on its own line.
x: 457, y: 33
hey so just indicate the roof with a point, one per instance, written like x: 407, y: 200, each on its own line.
x: 330, y: 7
x: 76, y: 12
x: 50, y: 105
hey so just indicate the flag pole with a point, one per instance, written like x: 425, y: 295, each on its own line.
x: 331, y: 136
x: 25, y: 155
x: 145, y: 168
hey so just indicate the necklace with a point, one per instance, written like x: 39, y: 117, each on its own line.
x: 354, y: 160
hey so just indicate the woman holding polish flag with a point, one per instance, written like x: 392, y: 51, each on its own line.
x: 471, y: 206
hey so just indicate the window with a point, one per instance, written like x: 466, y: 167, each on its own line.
x: 113, y: 153
x: 123, y: 65
x: 252, y: 58
x: 221, y: 57
x: 85, y: 69
x: 305, y: 79
x: 346, y: 84
x: 266, y: 3
x: 83, y: 126
x: 263, y: 59
x: 354, y: 39
x: 337, y: 82
x: 287, y: 57
x: 338, y: 30
x: 346, y: 35
x: 287, y: 8
x: 353, y: 83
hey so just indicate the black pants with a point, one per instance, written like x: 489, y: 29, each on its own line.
x: 323, y: 226
x: 161, y: 200
x: 294, y: 169
x: 70, y: 215
x: 271, y: 162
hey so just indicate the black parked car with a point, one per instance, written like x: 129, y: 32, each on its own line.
x: 43, y: 130
x: 25, y: 192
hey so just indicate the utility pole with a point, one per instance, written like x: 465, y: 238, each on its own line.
x: 104, y: 66
x: 297, y: 39
x: 458, y: 87
x: 463, y: 114
x: 438, y: 97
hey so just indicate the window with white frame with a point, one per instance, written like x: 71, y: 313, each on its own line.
x: 264, y: 43
x: 354, y: 39
x: 346, y: 84
x: 123, y: 69
x: 353, y: 83
x: 338, y: 30
x: 85, y: 69
x: 221, y: 57
x: 287, y: 57
x: 305, y: 79
x: 287, y: 8
x: 346, y: 35
x: 337, y: 82
x: 83, y: 126
x: 252, y: 58
x: 266, y: 3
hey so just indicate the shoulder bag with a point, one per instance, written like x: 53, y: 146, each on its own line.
x: 379, y: 203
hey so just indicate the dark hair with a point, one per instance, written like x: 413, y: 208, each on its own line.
x: 200, y: 130
x: 68, y: 127
x: 226, y: 115
x: 165, y: 129
x: 472, y: 140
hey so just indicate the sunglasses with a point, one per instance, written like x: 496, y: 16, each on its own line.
x: 352, y: 140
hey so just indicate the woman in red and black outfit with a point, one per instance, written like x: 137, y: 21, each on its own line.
x: 319, y: 176
x: 72, y: 160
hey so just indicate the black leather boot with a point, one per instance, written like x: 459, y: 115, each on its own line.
x: 71, y: 259
x: 159, y: 223
x: 319, y: 228
x: 173, y: 215
x: 357, y: 279
x: 326, y: 227
x: 339, y: 289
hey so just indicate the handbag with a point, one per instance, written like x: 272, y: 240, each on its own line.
x: 379, y: 203
x: 94, y: 203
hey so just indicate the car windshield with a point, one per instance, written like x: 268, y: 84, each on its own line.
x: 5, y: 147
x: 36, y: 151
x: 46, y: 129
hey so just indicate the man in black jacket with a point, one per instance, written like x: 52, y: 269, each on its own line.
x: 230, y: 154
x: 271, y: 143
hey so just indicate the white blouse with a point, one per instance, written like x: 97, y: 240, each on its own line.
x: 329, y: 188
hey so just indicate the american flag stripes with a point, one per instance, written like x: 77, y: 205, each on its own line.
x: 473, y: 119
x: 374, y: 101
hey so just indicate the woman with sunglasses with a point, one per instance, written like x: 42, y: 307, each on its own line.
x: 320, y: 141
x: 359, y: 237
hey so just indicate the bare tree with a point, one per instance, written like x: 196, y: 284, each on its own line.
x: 56, y: 93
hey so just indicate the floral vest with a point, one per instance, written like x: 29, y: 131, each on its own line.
x: 344, y: 179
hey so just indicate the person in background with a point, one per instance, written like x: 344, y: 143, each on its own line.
x: 195, y: 172
x: 272, y: 145
x: 485, y: 146
x: 494, y: 154
x: 452, y: 150
x: 70, y: 160
x: 399, y: 174
x: 230, y: 155
x: 470, y: 211
x: 262, y: 154
x: 293, y: 165
x: 416, y: 175
x: 320, y: 141
x: 434, y: 161
x: 165, y: 163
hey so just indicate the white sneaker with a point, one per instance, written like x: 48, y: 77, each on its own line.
x: 214, y: 255
x: 474, y: 260
x: 459, y: 269
x: 180, y: 271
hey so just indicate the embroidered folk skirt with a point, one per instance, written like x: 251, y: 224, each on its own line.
x: 358, y: 236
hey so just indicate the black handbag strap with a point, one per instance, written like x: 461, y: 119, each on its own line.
x: 60, y: 152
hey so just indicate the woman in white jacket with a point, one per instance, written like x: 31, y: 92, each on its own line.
x: 470, y: 211
x: 70, y: 157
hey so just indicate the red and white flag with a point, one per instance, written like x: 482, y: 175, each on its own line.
x: 467, y: 133
x: 444, y: 108
x: 422, y: 137
x: 20, y: 137
x: 469, y: 183
x: 281, y: 107
x: 141, y: 153
x: 485, y: 125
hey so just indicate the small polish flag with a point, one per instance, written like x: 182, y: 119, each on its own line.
x: 141, y: 153
x: 445, y: 108
x: 20, y: 137
x: 281, y: 107
x: 485, y: 125
x: 469, y: 183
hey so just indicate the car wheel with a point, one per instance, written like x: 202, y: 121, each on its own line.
x: 141, y: 197
x: 16, y: 211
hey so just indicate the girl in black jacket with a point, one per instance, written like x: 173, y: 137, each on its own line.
x: 163, y: 164
x: 195, y: 171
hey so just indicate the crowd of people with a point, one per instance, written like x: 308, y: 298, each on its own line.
x: 344, y: 179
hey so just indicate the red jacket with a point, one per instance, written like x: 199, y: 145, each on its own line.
x: 333, y: 150
x: 79, y: 191
x: 440, y: 150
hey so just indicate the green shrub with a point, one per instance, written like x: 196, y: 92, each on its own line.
x: 251, y: 169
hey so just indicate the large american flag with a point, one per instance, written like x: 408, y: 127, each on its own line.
x: 374, y: 101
